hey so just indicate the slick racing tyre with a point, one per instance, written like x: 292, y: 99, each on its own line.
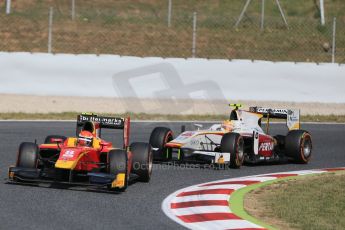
x: 27, y: 155
x: 298, y: 146
x: 117, y: 163
x: 159, y: 137
x: 233, y: 143
x: 49, y: 139
x: 142, y: 160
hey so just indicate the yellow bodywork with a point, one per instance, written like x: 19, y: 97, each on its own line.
x: 119, y: 181
x: 96, y: 143
x: 295, y: 126
x: 71, y: 142
x: 10, y: 174
x: 221, y: 160
x: 68, y: 164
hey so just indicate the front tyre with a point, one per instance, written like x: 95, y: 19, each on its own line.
x: 142, y: 160
x: 233, y: 143
x: 27, y: 155
x: 298, y: 146
x: 159, y: 137
x: 117, y: 163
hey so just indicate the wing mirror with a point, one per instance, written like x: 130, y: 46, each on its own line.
x: 102, y: 144
x: 58, y: 141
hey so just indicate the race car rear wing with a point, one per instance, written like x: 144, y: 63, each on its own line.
x: 292, y: 116
x: 106, y: 122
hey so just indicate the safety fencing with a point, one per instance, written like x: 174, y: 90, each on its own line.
x: 172, y: 29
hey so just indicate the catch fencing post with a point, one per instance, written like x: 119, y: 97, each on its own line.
x: 50, y: 30
x: 73, y: 10
x: 169, y: 12
x: 282, y: 13
x: 262, y: 14
x: 194, y: 34
x: 242, y: 13
x: 333, y: 40
x: 322, y: 12
x: 8, y: 6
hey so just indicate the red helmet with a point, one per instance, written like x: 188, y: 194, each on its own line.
x: 85, y: 138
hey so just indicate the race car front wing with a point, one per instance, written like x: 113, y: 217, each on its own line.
x: 200, y: 156
x: 95, y: 179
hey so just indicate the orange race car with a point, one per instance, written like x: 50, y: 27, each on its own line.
x: 85, y: 160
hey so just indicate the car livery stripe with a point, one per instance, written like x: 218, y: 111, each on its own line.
x: 206, y: 206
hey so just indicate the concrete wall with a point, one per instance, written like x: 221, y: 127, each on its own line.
x: 115, y: 76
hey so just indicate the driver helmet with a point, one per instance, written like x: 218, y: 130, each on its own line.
x: 228, y: 125
x: 85, y: 138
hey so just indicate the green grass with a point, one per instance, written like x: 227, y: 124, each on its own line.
x: 166, y: 117
x: 316, y: 202
x: 139, y: 28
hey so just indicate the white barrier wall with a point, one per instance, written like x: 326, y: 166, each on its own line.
x: 115, y: 76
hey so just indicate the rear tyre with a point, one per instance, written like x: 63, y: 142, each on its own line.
x: 298, y: 146
x: 49, y: 138
x: 142, y: 160
x: 27, y: 155
x: 233, y: 143
x: 159, y: 137
x: 117, y: 161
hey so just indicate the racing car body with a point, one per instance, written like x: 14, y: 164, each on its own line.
x: 237, y: 140
x: 68, y: 160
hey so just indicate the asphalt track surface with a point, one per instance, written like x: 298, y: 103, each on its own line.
x: 29, y: 207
